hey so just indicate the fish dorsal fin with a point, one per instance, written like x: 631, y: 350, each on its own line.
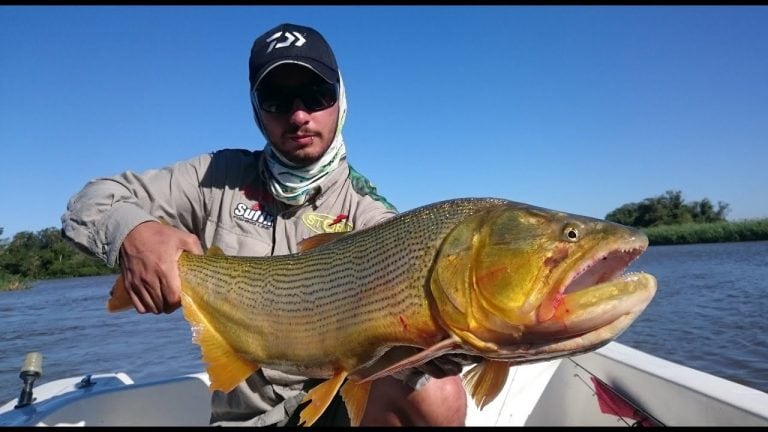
x: 226, y: 369
x: 319, y: 398
x: 318, y: 240
x: 485, y: 381
x: 355, y: 395
x: 214, y: 251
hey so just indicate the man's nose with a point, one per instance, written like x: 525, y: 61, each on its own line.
x: 299, y: 113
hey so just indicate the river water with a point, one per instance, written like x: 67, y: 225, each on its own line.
x: 708, y: 313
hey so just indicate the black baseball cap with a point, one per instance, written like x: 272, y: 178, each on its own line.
x: 291, y: 43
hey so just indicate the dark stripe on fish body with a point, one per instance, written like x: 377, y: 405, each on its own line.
x: 335, y: 290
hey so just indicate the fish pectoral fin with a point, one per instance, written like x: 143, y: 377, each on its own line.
x: 226, y: 369
x: 119, y: 300
x: 355, y: 395
x: 319, y: 398
x: 318, y: 240
x: 414, y: 360
x: 485, y: 381
x: 215, y: 251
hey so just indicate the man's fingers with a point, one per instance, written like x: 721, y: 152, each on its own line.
x: 171, y: 290
x: 192, y: 244
x: 155, y: 290
x: 196, y: 248
x: 137, y: 303
x: 145, y: 294
x: 464, y: 359
x: 433, y: 369
x: 449, y: 364
x: 141, y: 298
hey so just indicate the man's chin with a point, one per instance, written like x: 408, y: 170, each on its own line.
x: 302, y: 155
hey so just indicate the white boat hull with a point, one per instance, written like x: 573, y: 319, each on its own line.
x: 555, y: 393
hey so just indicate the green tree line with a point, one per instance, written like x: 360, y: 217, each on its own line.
x: 668, y: 219
x: 668, y: 209
x: 43, y: 255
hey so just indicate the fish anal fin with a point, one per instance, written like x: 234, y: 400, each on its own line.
x: 119, y: 299
x: 319, y: 398
x: 226, y: 369
x: 416, y: 359
x: 486, y: 380
x: 355, y: 395
x: 318, y: 240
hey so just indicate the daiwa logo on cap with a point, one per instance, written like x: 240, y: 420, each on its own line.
x: 290, y: 37
x: 300, y: 44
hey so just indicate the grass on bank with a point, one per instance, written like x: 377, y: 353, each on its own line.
x: 13, y: 282
x: 718, y: 232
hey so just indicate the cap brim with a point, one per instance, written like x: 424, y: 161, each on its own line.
x: 320, y: 69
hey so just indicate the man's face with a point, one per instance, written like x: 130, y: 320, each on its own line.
x: 300, y: 134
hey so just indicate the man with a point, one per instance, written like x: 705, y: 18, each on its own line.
x: 256, y: 204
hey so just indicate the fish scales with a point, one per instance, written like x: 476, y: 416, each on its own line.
x: 320, y: 314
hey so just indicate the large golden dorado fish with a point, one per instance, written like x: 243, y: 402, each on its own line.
x: 509, y: 282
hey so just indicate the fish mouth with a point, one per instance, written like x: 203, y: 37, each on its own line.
x: 595, y: 294
x: 600, y: 270
x: 594, y: 306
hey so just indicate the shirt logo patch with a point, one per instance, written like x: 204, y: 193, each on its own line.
x: 323, y: 223
x: 253, y: 215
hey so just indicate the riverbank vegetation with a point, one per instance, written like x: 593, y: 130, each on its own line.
x: 45, y: 254
x: 668, y: 219
x: 12, y: 282
x: 747, y: 230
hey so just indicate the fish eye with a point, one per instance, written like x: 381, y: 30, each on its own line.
x: 571, y: 233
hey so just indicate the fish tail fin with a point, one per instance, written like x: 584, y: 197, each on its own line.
x: 320, y: 397
x: 355, y: 395
x: 226, y: 369
x: 119, y: 299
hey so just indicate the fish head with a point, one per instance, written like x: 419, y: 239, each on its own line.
x: 518, y: 280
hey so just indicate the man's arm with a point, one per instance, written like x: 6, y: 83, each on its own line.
x: 116, y: 219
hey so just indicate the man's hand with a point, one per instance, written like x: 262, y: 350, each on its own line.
x: 440, y: 367
x: 148, y: 260
x: 448, y: 364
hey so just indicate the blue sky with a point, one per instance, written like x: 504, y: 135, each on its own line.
x: 580, y: 109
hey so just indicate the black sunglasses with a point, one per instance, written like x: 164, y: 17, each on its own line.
x: 314, y: 97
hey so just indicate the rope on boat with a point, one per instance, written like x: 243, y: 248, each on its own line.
x: 612, y: 401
